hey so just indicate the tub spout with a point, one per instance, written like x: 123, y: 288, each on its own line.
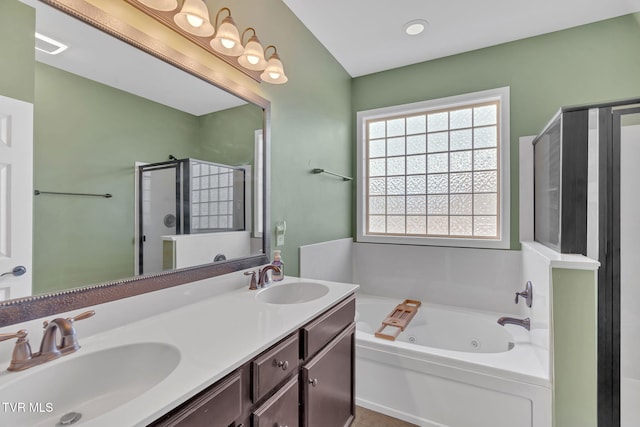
x: 525, y: 323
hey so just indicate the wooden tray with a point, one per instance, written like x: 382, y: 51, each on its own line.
x: 398, y: 319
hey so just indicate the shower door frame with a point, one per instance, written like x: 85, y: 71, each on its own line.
x: 171, y: 164
x: 609, y: 275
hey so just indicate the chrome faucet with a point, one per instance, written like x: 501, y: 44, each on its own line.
x: 525, y: 323
x: 263, y: 278
x: 23, y: 358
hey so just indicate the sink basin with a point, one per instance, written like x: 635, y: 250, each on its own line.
x: 292, y: 293
x: 90, y: 384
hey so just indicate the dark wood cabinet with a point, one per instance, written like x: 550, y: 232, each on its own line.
x: 328, y: 384
x: 281, y: 409
x: 306, y: 379
x: 317, y: 333
x: 220, y: 405
x: 273, y: 366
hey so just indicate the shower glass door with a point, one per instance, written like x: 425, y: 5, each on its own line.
x: 159, y: 198
x: 627, y: 132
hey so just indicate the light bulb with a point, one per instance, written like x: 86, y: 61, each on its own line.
x: 274, y: 76
x: 194, y: 21
x: 253, y: 59
x: 228, y: 43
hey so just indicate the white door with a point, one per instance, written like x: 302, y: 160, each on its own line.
x: 16, y: 196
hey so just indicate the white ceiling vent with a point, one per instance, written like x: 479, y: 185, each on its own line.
x: 48, y: 45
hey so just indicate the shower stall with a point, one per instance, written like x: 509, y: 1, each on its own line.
x: 186, y: 196
x: 587, y: 202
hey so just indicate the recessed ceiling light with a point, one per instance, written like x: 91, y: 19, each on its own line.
x: 48, y: 45
x: 415, y: 27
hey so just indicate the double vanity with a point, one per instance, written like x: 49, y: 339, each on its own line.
x: 227, y: 356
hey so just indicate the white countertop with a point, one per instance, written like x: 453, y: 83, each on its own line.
x: 215, y: 336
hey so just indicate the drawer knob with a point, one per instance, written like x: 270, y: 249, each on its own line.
x: 313, y: 382
x: 284, y: 364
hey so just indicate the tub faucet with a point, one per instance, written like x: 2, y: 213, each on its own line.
x: 525, y: 323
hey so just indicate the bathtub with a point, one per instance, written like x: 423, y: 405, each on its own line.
x: 451, y: 367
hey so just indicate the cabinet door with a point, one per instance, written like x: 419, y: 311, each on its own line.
x: 281, y: 409
x: 328, y: 384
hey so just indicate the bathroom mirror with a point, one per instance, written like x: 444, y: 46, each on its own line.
x: 90, y: 138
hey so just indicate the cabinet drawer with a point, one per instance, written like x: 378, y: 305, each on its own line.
x: 273, y: 366
x: 219, y: 406
x: 281, y: 409
x: 320, y: 331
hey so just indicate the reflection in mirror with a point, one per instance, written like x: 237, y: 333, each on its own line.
x: 103, y: 110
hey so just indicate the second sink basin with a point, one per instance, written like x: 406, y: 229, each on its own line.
x: 292, y: 293
x: 88, y: 385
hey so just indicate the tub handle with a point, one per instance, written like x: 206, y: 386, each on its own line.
x: 313, y: 382
x: 527, y: 294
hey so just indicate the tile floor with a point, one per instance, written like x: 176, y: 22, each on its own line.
x: 367, y: 418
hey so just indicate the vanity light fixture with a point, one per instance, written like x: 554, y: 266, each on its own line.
x: 48, y: 45
x: 415, y: 27
x: 191, y: 19
x: 227, y: 39
x: 274, y: 72
x: 194, y: 18
x: 253, y: 56
x: 163, y: 5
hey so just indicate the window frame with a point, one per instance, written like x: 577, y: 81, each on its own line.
x: 504, y: 208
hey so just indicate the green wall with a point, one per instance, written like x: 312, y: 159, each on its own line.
x: 575, y: 349
x: 591, y: 63
x: 311, y: 126
x: 228, y: 136
x: 17, y: 39
x: 87, y: 137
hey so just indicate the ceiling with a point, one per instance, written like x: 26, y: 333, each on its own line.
x: 366, y: 36
x: 97, y: 56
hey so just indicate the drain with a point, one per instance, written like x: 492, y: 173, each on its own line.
x: 412, y: 339
x: 475, y: 343
x: 70, y: 418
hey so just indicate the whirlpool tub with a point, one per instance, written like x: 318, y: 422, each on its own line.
x: 451, y: 367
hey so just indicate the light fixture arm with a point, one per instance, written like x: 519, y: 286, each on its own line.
x: 274, y: 50
x: 245, y: 31
x: 218, y: 14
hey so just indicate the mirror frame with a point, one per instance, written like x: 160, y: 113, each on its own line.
x: 29, y: 308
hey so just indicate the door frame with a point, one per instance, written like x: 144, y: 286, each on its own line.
x: 609, y: 279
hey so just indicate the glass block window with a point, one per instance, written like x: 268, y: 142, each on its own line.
x: 211, y: 196
x: 433, y: 173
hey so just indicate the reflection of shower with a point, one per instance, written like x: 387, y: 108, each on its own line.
x: 184, y: 197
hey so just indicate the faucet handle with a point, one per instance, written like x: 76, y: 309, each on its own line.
x: 21, y: 351
x: 527, y: 294
x: 82, y: 316
x: 21, y: 334
x: 253, y: 286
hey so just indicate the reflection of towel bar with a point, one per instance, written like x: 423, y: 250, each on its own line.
x: 344, y: 178
x: 106, y: 196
